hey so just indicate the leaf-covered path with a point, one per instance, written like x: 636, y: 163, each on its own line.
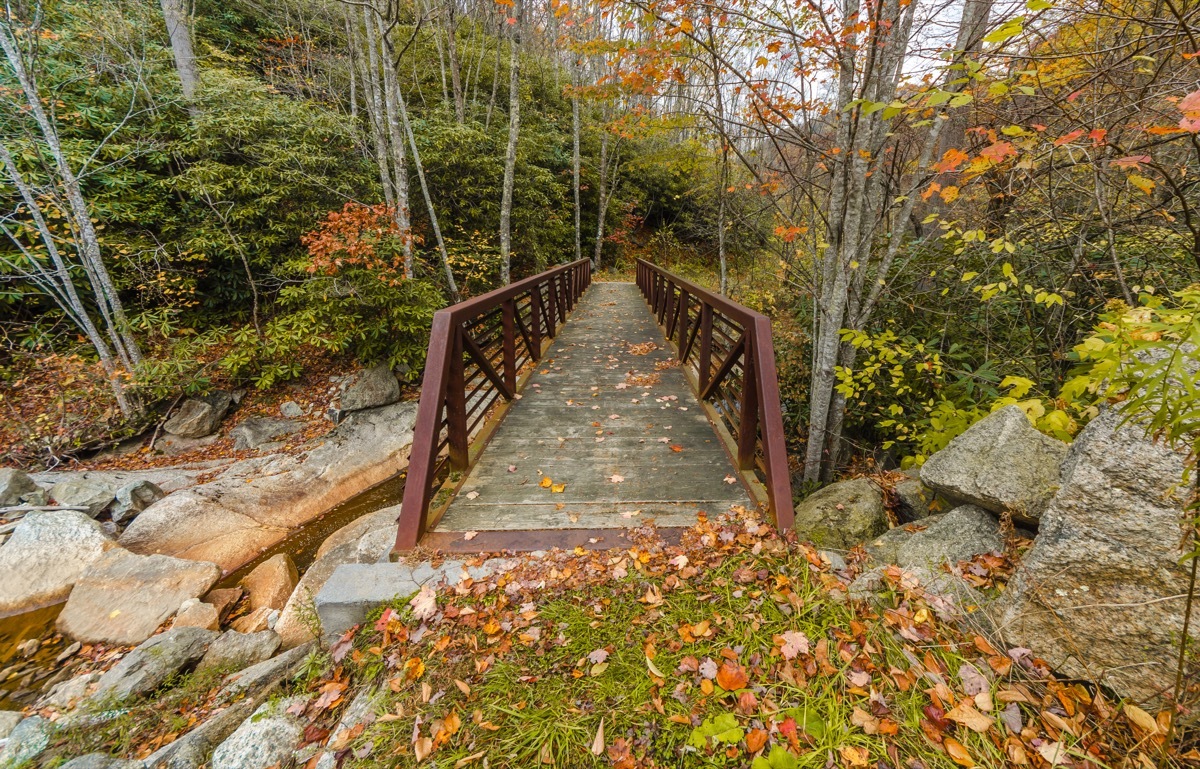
x: 607, y: 433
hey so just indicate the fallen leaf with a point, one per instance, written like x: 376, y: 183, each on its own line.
x: 756, y: 739
x: 545, y: 482
x: 957, y: 752
x: 424, y: 603
x: 854, y: 755
x: 1141, y: 719
x: 598, y: 743
x: 470, y: 535
x: 730, y: 479
x: 617, y: 478
x: 966, y: 714
x: 731, y: 676
x: 794, y: 643
x: 1055, y: 753
x: 558, y: 488
x: 472, y: 495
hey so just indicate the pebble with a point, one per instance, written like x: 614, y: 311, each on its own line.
x: 70, y: 651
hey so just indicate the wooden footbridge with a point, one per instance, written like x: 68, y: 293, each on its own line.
x: 556, y: 412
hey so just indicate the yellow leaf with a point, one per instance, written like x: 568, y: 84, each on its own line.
x: 958, y: 753
x: 1142, y: 183
x: 545, y: 483
x: 558, y: 488
x: 1141, y: 719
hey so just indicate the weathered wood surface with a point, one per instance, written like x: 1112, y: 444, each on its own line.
x: 605, y: 401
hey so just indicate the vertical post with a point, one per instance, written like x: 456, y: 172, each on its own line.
x: 535, y: 320
x: 456, y: 403
x: 508, y: 320
x: 747, y: 436
x: 706, y: 324
x: 681, y: 323
x: 552, y: 309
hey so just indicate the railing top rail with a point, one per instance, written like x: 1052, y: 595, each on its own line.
x: 496, y: 297
x: 743, y: 315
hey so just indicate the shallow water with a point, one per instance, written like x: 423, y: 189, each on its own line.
x: 23, y: 678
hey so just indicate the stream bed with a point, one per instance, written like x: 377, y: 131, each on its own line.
x: 33, y: 656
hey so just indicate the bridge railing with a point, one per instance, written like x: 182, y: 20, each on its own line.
x: 727, y: 351
x: 476, y: 350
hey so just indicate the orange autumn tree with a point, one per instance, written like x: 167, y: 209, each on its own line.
x: 359, y: 236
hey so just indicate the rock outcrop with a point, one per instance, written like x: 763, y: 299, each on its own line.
x: 46, y: 554
x: 1001, y: 463
x: 254, y: 503
x: 958, y: 535
x: 1101, y: 593
x: 133, y: 498
x: 122, y: 598
x: 234, y: 651
x: 842, y: 515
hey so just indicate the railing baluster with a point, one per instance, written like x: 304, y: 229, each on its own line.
x: 748, y: 415
x: 456, y: 403
x: 706, y: 323
x: 508, y: 320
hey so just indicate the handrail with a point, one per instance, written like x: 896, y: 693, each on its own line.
x: 476, y: 348
x: 729, y: 352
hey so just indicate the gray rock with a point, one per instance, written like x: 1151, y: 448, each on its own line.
x: 1101, y: 593
x: 951, y: 598
x: 146, y: 668
x: 235, y: 651
x: 958, y: 535
x: 15, y: 487
x: 913, y: 499
x: 254, y: 503
x: 266, y: 738
x: 375, y: 386
x: 133, y: 498
x: 122, y: 598
x: 291, y: 410
x: 257, y: 677
x: 26, y: 741
x: 46, y: 554
x: 1001, y: 463
x: 100, y: 761
x: 255, y: 432
x: 271, y: 582
x: 842, y: 515
x: 198, y: 417
x: 65, y: 694
x: 89, y: 493
x: 354, y: 589
x: 8, y: 721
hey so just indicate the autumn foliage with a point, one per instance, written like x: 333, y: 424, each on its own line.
x: 358, y: 236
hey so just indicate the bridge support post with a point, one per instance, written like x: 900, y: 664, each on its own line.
x: 456, y: 405
x: 748, y: 416
x: 508, y: 320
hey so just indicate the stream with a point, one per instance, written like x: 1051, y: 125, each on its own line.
x: 26, y: 671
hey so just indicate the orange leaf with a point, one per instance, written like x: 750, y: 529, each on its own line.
x: 731, y: 676
x: 957, y: 752
x: 755, y: 740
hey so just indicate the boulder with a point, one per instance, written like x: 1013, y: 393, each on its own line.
x: 951, y: 598
x: 195, y: 613
x: 16, y: 487
x: 842, y: 515
x: 256, y: 431
x: 958, y: 535
x: 8, y: 721
x: 1101, y: 593
x: 122, y: 598
x: 255, y: 621
x: 913, y: 499
x: 92, y: 494
x: 375, y: 386
x: 265, y: 739
x: 198, y: 417
x: 235, y: 651
x: 255, y: 502
x: 26, y: 741
x: 224, y: 599
x: 133, y: 498
x: 146, y: 668
x: 291, y: 410
x: 368, y: 539
x: 1001, y: 463
x: 271, y: 583
x: 255, y: 677
x: 45, y: 555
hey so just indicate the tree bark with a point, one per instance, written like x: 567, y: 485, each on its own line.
x: 510, y: 155
x: 179, y: 30
x: 400, y: 212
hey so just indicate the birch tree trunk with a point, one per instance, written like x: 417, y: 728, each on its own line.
x: 179, y: 30
x: 400, y: 212
x: 84, y: 234
x: 510, y: 155
x: 456, y: 84
x: 375, y: 109
x: 602, y: 209
x: 575, y: 129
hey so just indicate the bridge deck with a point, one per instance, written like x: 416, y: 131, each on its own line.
x: 612, y: 423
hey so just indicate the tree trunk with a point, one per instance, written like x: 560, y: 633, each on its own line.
x: 575, y: 129
x: 180, y: 33
x: 456, y: 85
x: 603, y: 205
x: 510, y: 155
x: 375, y: 108
x: 400, y: 213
